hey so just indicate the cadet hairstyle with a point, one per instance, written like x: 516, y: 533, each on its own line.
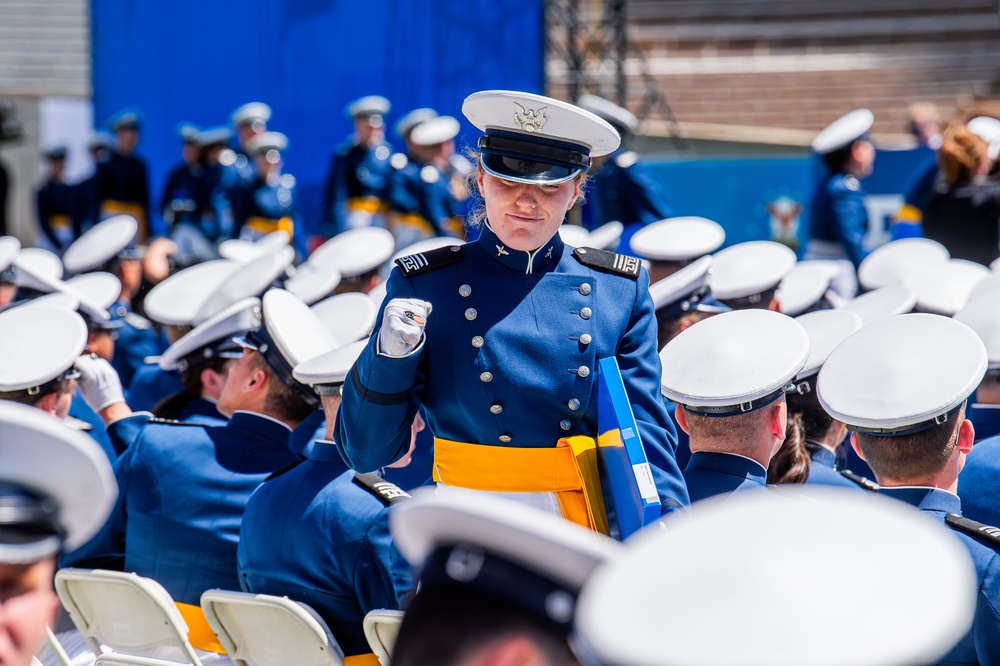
x: 280, y: 399
x: 960, y: 154
x: 912, y: 457
x: 22, y: 397
x: 171, y: 406
x: 445, y: 624
x: 807, y: 420
x: 668, y: 329
x: 734, y: 429
x: 477, y: 205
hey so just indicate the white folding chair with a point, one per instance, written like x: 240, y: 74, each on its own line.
x: 381, y: 628
x: 124, y: 613
x: 113, y: 659
x: 262, y: 630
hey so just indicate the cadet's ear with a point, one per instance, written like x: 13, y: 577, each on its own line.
x: 777, y: 419
x: 966, y: 436
x: 682, y: 420
x: 48, y: 402
x: 856, y: 446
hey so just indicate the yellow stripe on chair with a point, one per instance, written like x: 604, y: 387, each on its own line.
x: 200, y: 633
x: 362, y: 660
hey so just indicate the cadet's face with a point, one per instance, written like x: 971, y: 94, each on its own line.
x: 27, y: 604
x: 526, y: 216
x: 101, y: 343
x: 864, y: 154
x: 7, y: 292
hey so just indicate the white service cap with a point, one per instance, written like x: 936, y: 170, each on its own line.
x: 983, y: 316
x: 349, y: 316
x: 328, y: 371
x: 313, y: 281
x: 244, y: 251
x: 36, y: 268
x: 251, y: 279
x: 213, y: 338
x: 944, y: 288
x: 434, y: 131
x: 891, y: 263
x: 608, y: 110
x: 902, y: 374
x: 746, y: 270
x: 40, y: 344
x: 356, y: 251
x: 734, y: 362
x: 881, y: 303
x: 803, y: 288
x: 826, y: 330
x: 267, y: 141
x: 369, y: 105
x: 678, y: 239
x: 250, y: 112
x: 176, y: 300
x: 101, y: 243
x: 843, y: 131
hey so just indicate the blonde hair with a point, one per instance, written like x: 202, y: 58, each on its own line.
x: 961, y: 154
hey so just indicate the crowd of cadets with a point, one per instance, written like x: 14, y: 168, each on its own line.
x: 773, y: 373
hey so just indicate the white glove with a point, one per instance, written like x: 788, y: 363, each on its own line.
x: 98, y: 382
x: 402, y: 326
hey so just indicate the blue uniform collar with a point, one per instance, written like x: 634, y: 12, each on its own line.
x: 728, y: 463
x: 823, y: 456
x: 324, y: 451
x: 260, y: 425
x: 925, y: 499
x: 519, y: 260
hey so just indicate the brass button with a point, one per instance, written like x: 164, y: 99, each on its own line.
x: 586, y: 338
x: 478, y: 341
x: 585, y: 313
x: 465, y: 291
x: 585, y: 289
x: 565, y: 424
x: 574, y: 404
x: 496, y: 409
x: 488, y: 377
x: 504, y: 438
x: 583, y: 371
x: 471, y: 314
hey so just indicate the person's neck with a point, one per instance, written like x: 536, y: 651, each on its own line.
x: 760, y: 454
x: 942, y: 481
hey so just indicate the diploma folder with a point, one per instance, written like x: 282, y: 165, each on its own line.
x: 629, y: 491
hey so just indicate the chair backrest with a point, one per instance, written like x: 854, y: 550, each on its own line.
x: 262, y: 630
x: 381, y: 628
x: 124, y: 613
x: 113, y: 659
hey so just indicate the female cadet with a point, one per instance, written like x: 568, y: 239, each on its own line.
x: 506, y: 367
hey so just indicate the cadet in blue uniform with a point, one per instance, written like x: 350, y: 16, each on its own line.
x: 267, y: 204
x: 343, y: 563
x: 122, y: 184
x: 177, y: 519
x: 499, y: 583
x: 901, y: 386
x: 809, y: 452
x: 506, y: 369
x: 982, y: 316
x: 838, y: 220
x: 184, y: 203
x: 621, y: 189
x: 56, y: 205
x: 217, y: 217
x: 728, y: 375
x: 356, y: 190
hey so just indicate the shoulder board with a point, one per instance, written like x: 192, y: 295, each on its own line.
x: 385, y: 492
x: 423, y: 262
x: 627, y: 159
x: 77, y: 424
x: 137, y: 321
x: 156, y: 420
x: 865, y: 483
x: 973, y: 528
x: 609, y: 262
x: 285, y: 468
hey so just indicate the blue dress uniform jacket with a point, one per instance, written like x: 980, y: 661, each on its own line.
x: 421, y: 196
x: 979, y: 482
x: 822, y: 470
x: 56, y: 206
x: 838, y: 215
x: 123, y: 178
x: 150, y: 385
x: 509, y: 358
x: 356, y: 171
x: 982, y: 644
x: 182, y: 492
x: 985, y: 419
x: 137, y: 339
x: 79, y: 409
x: 709, y: 474
x: 271, y: 201
x: 314, y: 534
x: 624, y: 191
x: 683, y: 441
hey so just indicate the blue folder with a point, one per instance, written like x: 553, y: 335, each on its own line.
x: 629, y: 491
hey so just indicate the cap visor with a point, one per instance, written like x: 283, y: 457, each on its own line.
x: 528, y: 171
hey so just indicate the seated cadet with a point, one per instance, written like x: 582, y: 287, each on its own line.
x: 108, y: 247
x: 809, y: 452
x: 728, y: 375
x: 56, y: 489
x: 901, y: 386
x: 343, y: 563
x: 761, y: 610
x: 681, y: 300
x: 670, y: 245
x: 203, y: 357
x: 177, y: 519
x: 983, y: 317
x: 621, y: 188
x: 359, y: 255
x: 746, y: 275
x: 498, y: 581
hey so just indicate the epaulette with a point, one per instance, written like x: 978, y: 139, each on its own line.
x: 137, y: 321
x: 385, y: 492
x: 76, y: 424
x: 285, y: 468
x: 973, y: 528
x: 423, y: 262
x: 627, y: 159
x: 865, y: 483
x: 609, y: 262
x: 156, y: 420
